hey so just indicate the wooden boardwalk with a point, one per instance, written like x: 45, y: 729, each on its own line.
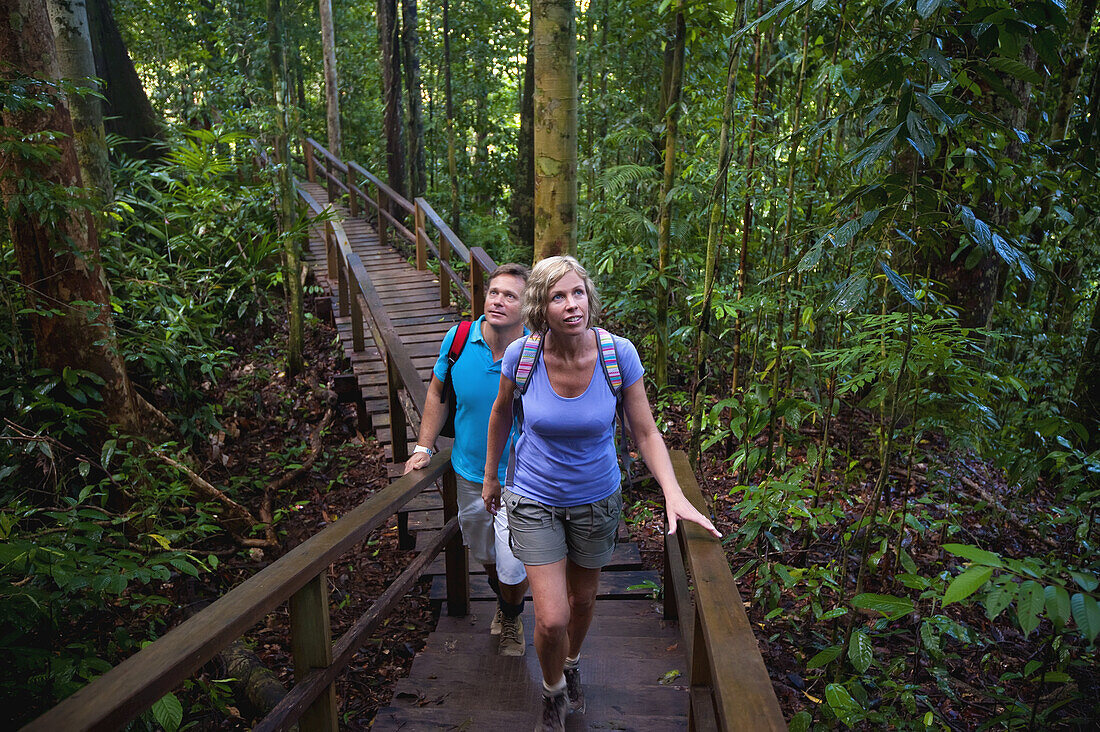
x: 633, y: 665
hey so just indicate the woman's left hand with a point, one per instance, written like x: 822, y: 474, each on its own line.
x: 678, y: 507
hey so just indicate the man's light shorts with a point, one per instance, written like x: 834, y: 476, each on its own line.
x: 544, y: 534
x: 486, y: 535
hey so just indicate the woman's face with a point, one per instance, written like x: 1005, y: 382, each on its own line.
x: 567, y: 311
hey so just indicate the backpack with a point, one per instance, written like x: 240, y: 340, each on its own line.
x: 457, y: 346
x: 609, y: 361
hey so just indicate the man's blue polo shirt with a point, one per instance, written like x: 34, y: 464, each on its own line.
x: 476, y: 379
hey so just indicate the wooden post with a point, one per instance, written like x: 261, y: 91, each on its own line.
x: 356, y: 313
x: 421, y: 237
x: 307, y: 153
x: 399, y: 439
x: 330, y: 181
x: 444, y: 280
x: 330, y: 253
x: 700, y: 685
x: 311, y: 648
x: 353, y: 201
x: 342, y: 272
x: 477, y: 288
x: 457, y: 561
x: 382, y: 206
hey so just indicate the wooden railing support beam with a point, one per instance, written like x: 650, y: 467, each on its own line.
x: 457, y: 560
x: 421, y: 238
x: 444, y: 278
x: 311, y: 648
x: 353, y: 199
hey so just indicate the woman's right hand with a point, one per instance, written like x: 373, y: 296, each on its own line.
x: 490, y: 493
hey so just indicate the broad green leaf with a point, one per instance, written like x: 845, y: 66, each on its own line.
x: 920, y: 137
x: 800, y: 722
x: 1029, y: 603
x: 933, y: 109
x: 888, y: 605
x: 876, y: 149
x: 1056, y: 677
x: 974, y: 554
x: 925, y: 8
x: 966, y: 584
x: 1057, y: 604
x: 901, y: 285
x: 850, y: 293
x: 860, y: 652
x: 1016, y: 68
x: 1085, y: 580
x: 1086, y: 613
x: 842, y: 703
x: 937, y: 61
x: 168, y: 712
x: 824, y: 657
x: 999, y: 599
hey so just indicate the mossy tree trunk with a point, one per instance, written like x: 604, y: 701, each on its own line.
x: 56, y: 246
x: 332, y: 87
x: 555, y: 105
x: 292, y: 260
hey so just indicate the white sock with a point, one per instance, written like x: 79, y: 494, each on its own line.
x: 572, y: 662
x: 558, y: 688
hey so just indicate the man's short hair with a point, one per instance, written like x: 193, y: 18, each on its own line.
x: 510, y: 268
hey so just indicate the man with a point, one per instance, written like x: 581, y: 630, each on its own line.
x: 476, y: 377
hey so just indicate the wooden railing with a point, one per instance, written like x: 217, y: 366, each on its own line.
x: 730, y: 687
x: 391, y: 212
x: 300, y: 578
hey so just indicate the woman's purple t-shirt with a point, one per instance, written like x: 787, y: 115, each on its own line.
x: 566, y: 454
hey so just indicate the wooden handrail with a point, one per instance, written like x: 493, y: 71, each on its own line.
x: 134, y: 685
x: 424, y: 217
x: 730, y: 687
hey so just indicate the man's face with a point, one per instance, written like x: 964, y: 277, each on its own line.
x: 503, y: 301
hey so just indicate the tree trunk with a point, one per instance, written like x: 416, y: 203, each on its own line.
x: 448, y: 108
x: 127, y: 111
x: 715, y: 227
x: 523, y: 193
x: 664, y: 205
x: 1086, y: 391
x: 332, y: 87
x: 555, y: 109
x: 69, y: 19
x: 389, y: 47
x: 1077, y: 44
x: 411, y: 44
x: 285, y: 189
x: 56, y: 246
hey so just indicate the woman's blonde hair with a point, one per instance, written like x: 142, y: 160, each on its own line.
x: 544, y: 275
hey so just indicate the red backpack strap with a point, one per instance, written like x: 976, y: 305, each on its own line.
x: 459, y: 343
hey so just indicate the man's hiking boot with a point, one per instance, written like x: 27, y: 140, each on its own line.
x: 494, y: 627
x: 554, y: 709
x: 573, y: 687
x: 511, y: 637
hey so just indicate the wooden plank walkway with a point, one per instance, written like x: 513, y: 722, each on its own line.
x: 411, y: 298
x: 633, y: 667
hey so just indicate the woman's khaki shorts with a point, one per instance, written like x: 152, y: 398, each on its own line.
x: 542, y: 534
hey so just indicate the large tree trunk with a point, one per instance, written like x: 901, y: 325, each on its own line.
x: 332, y: 87
x: 1077, y: 46
x: 448, y: 108
x: 411, y: 45
x: 56, y: 246
x: 69, y: 19
x: 389, y: 46
x: 555, y: 100
x: 128, y: 111
x: 664, y: 218
x: 1086, y: 391
x: 523, y: 193
x: 291, y: 256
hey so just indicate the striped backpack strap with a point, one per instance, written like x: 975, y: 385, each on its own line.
x: 609, y: 357
x: 528, y: 357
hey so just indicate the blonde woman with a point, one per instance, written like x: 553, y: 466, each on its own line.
x: 563, y: 499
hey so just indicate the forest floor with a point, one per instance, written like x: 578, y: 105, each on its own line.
x: 267, y: 422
